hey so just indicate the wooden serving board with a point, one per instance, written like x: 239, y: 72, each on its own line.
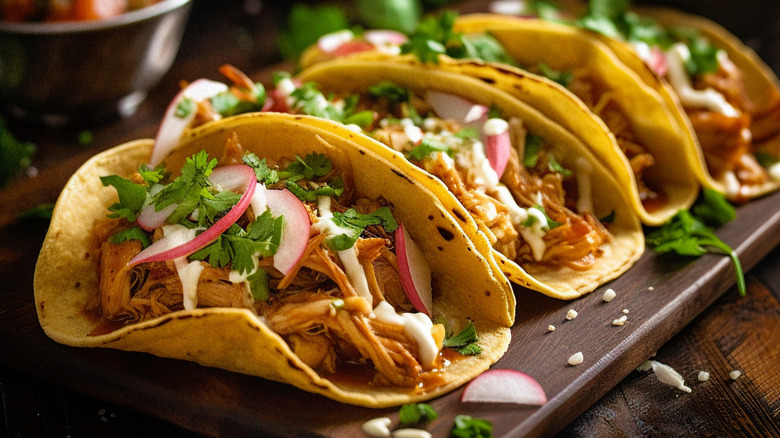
x: 662, y: 293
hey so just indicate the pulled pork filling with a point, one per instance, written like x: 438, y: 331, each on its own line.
x: 315, y: 307
x: 585, y: 87
x: 528, y: 212
x: 730, y: 133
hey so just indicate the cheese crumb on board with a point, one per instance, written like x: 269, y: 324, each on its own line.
x: 735, y: 374
x: 620, y: 321
x: 571, y: 314
x: 609, y: 295
x: 666, y: 374
x: 576, y: 358
x: 703, y: 376
x: 551, y: 328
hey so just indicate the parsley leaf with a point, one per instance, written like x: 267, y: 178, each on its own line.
x: 469, y: 427
x: 414, y: 413
x: 464, y: 342
x: 533, y: 145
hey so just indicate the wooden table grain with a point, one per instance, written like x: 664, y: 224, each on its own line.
x: 733, y: 333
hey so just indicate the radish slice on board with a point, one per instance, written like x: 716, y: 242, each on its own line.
x: 173, y: 126
x: 498, y: 144
x: 167, y: 249
x: 414, y: 272
x: 295, y: 235
x: 504, y: 386
x: 449, y: 106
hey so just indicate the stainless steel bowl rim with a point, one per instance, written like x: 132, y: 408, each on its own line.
x: 68, y: 27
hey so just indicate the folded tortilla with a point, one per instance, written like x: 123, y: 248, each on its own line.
x: 609, y: 197
x: 466, y: 284
x: 760, y: 87
x: 645, y: 137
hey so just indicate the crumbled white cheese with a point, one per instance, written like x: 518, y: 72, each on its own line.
x: 551, y: 328
x: 571, y: 314
x: 620, y: 321
x: 646, y: 366
x: 377, y: 427
x: 651, y: 288
x: 668, y: 375
x: 609, y: 295
x: 735, y: 374
x: 625, y: 311
x: 703, y: 376
x: 576, y: 358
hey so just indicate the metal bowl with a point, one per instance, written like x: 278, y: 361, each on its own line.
x: 72, y: 72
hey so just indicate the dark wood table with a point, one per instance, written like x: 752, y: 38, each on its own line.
x: 716, y: 330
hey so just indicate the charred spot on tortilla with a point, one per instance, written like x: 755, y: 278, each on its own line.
x: 458, y: 214
x: 402, y: 175
x: 446, y: 234
x: 361, y: 152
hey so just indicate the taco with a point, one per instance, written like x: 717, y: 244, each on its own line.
x: 727, y: 96
x: 308, y: 255
x: 626, y: 123
x: 558, y: 221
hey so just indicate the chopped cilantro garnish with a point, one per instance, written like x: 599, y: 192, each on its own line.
x: 185, y: 107
x: 263, y: 173
x: 131, y: 197
x: 188, y: 189
x: 434, y: 36
x: 227, y: 103
x: 258, y: 285
x: 765, y: 159
x: 556, y: 167
x: 562, y: 77
x: 301, y: 170
x: 414, y: 413
x: 688, y: 235
x: 464, y: 342
x: 469, y: 427
x: 390, y: 91
x: 135, y: 233
x: 533, y: 144
x: 357, y: 222
x: 427, y: 147
x: 533, y: 219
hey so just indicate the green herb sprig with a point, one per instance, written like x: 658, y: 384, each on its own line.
x: 688, y: 233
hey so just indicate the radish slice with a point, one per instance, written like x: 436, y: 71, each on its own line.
x: 384, y: 37
x: 504, y: 386
x: 295, y: 235
x: 449, y: 106
x: 657, y: 61
x: 332, y: 41
x: 350, y: 47
x: 414, y: 272
x: 172, y: 127
x: 165, y: 249
x: 498, y: 144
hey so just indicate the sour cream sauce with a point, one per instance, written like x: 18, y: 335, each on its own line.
x: 188, y: 272
x: 486, y: 179
x: 678, y: 77
x: 348, y: 257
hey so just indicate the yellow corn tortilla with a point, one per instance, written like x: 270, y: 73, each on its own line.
x: 356, y: 74
x: 466, y: 283
x: 657, y: 127
x: 761, y: 85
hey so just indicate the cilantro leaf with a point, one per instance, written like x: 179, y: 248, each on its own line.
x: 131, y: 197
x: 468, y: 427
x: 390, y: 91
x: 228, y: 103
x: 414, y: 413
x: 135, y: 233
x: 464, y: 342
x: 713, y: 208
x: 563, y: 78
x: 263, y: 173
x: 258, y: 285
x: 429, y: 146
x: 687, y: 235
x: 533, y: 145
x: 355, y: 223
